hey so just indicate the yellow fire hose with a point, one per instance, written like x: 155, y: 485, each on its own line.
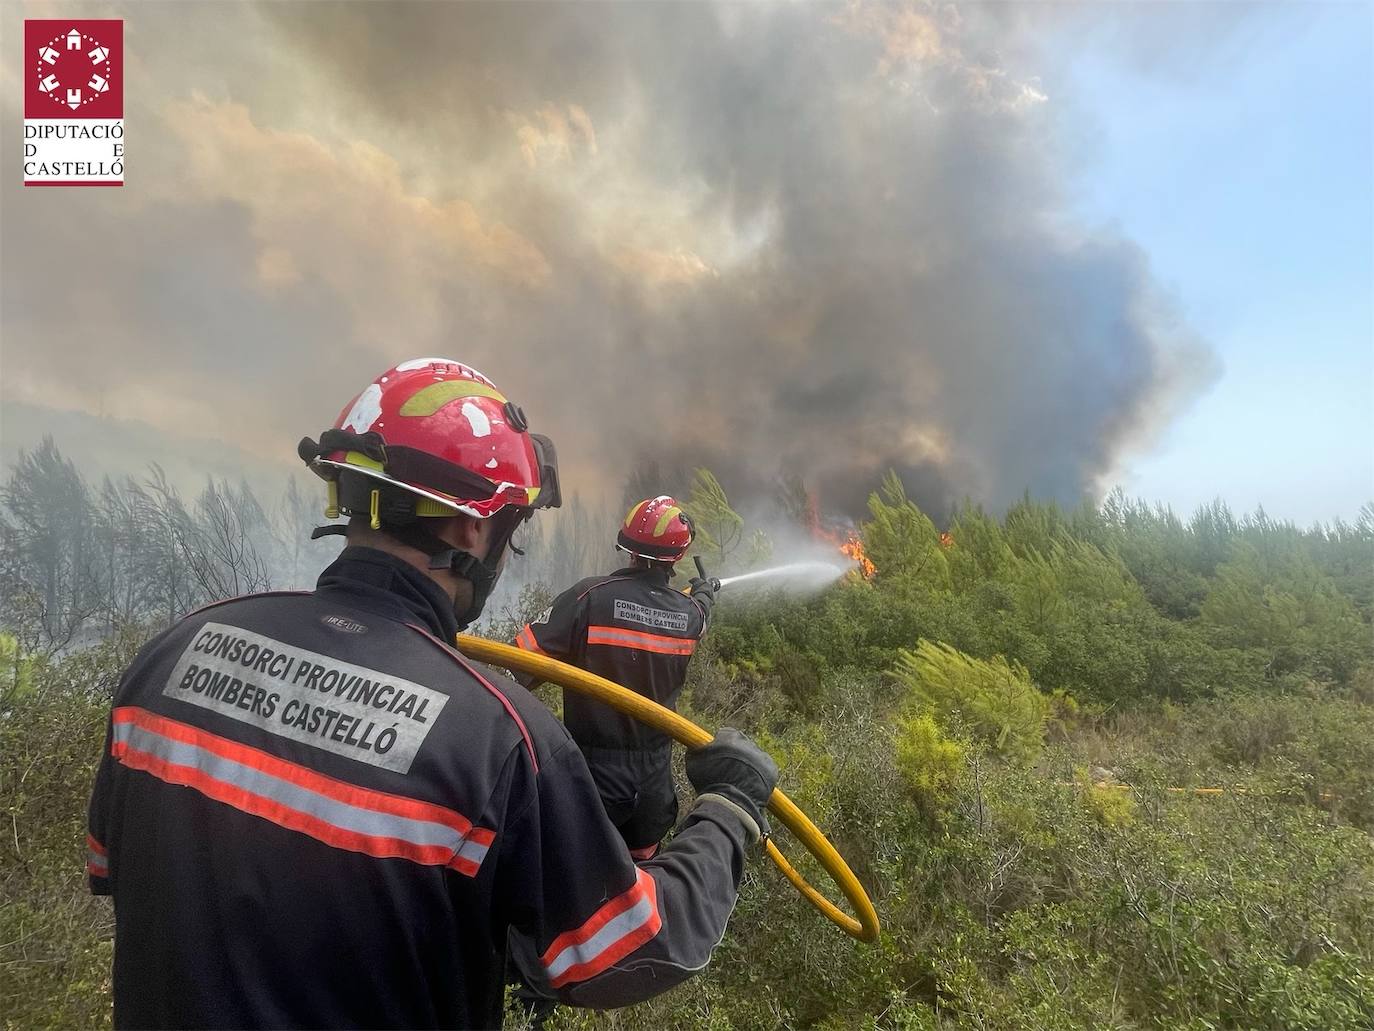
x: 687, y: 733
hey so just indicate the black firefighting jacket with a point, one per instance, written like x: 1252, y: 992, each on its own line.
x: 313, y: 812
x: 633, y: 629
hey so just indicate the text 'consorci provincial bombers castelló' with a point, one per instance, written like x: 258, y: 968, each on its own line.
x: 354, y: 711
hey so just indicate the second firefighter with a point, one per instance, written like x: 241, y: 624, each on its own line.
x: 632, y: 628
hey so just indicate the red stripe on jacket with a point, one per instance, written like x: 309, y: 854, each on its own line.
x: 310, y: 824
x: 621, y: 637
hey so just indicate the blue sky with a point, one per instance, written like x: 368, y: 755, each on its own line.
x: 1243, y: 168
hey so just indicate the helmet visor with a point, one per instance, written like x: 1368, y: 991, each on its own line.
x: 550, y: 495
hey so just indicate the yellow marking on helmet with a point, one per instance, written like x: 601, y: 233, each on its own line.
x: 531, y: 493
x: 428, y: 400
x: 331, y: 504
x: 376, y: 510
x: 665, y: 519
x: 634, y: 510
x: 435, y: 509
x: 358, y: 458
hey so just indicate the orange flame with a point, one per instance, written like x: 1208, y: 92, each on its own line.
x: 854, y: 548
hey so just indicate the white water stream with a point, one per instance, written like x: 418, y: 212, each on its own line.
x: 803, y: 574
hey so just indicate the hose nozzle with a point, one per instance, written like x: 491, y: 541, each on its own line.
x: 701, y: 573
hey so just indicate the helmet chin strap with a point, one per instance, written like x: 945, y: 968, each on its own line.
x: 481, y: 573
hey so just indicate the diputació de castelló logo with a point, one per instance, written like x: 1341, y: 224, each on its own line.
x: 74, y: 102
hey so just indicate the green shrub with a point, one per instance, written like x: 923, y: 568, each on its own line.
x: 993, y: 699
x: 55, y: 938
x: 799, y: 676
x: 1326, y: 739
x: 932, y: 764
x: 17, y: 669
x: 1112, y: 804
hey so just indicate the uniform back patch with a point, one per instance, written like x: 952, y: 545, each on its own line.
x: 659, y: 619
x: 350, y: 710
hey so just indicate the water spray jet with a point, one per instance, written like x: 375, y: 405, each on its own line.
x: 817, y: 574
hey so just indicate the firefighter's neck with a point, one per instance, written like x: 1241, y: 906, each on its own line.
x: 644, y: 565
x: 462, y: 532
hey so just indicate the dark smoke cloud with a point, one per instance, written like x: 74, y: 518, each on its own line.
x: 804, y: 239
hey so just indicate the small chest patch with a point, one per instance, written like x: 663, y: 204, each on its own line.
x: 344, y: 624
x: 659, y: 619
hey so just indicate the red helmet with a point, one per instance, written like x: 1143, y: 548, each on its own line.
x: 445, y: 436
x: 656, y: 529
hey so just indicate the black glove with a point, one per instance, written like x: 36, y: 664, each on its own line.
x: 738, y: 772
x: 703, y: 589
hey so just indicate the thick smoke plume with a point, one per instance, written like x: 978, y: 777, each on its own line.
x: 806, y: 240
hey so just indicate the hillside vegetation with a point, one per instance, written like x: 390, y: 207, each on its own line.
x: 1105, y: 769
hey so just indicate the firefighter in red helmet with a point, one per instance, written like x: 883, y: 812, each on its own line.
x: 312, y: 811
x: 630, y: 627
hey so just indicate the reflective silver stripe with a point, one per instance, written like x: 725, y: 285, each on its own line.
x: 615, y: 929
x: 473, y: 851
x: 636, y: 635
x: 302, y: 799
x: 611, y: 635
x: 96, y: 863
